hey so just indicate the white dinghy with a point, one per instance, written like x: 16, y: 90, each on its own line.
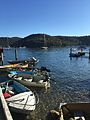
x: 19, y: 98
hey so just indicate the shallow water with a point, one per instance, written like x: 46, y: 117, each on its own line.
x: 70, y: 78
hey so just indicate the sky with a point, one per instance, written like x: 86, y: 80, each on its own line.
x: 20, y: 18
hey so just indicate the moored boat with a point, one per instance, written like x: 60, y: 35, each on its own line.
x: 76, y: 52
x: 33, y: 83
x: 71, y: 111
x: 45, y: 47
x: 6, y: 68
x: 74, y: 55
x: 34, y: 78
x: 81, y: 53
x: 31, y: 61
x: 75, y: 111
x: 9, y: 66
x: 19, y: 98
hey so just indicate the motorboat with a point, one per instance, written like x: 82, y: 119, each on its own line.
x: 76, y: 53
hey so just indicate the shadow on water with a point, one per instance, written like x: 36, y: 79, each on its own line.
x: 2, y: 116
x: 18, y: 116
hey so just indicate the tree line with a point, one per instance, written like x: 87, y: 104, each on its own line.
x: 37, y: 40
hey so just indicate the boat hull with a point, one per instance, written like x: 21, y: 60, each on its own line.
x: 45, y: 48
x: 34, y: 84
x: 74, y: 55
x: 70, y: 111
x: 23, y: 102
x: 9, y: 66
x: 31, y: 79
x: 19, y: 98
x: 31, y: 61
x: 75, y: 111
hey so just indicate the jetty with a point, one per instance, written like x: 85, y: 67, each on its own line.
x: 5, y: 108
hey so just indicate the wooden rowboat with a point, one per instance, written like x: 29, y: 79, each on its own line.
x: 19, y: 98
x: 71, y: 111
x: 9, y: 66
x: 31, y: 61
x: 31, y: 78
x: 75, y: 111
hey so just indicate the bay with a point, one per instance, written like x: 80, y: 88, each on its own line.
x: 70, y: 78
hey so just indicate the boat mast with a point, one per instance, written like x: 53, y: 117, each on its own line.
x: 7, y: 42
x: 45, y: 43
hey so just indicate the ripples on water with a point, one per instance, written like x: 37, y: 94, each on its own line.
x: 70, y: 79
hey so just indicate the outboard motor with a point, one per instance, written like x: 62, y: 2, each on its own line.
x: 45, y: 69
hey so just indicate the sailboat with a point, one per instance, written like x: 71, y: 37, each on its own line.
x: 45, y: 43
x: 8, y: 46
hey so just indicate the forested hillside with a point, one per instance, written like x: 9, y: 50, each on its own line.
x: 37, y: 40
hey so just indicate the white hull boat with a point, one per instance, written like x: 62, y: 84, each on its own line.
x: 19, y: 98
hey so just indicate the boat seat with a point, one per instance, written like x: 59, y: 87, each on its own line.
x: 6, y: 95
x: 79, y: 115
x: 79, y: 118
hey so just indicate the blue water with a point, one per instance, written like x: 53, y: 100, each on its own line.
x: 70, y: 78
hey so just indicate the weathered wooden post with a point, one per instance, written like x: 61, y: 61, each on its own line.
x: 1, y: 55
x: 70, y: 50
x: 5, y: 106
x: 89, y: 53
x: 15, y: 54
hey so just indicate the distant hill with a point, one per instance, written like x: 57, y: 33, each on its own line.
x: 37, y: 40
x: 8, y: 41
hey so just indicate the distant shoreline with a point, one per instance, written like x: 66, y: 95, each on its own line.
x: 37, y: 40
